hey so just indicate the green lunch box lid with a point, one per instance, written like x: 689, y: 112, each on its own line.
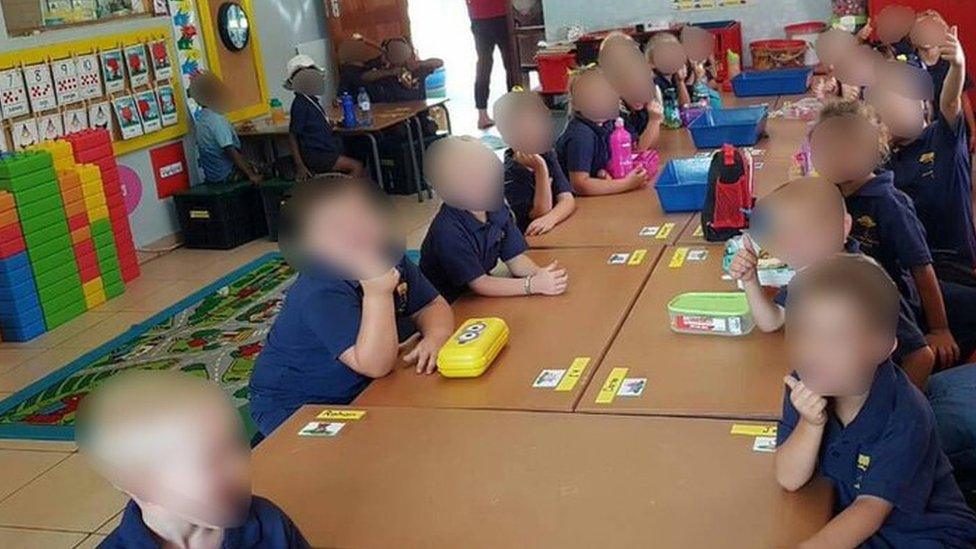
x: 710, y: 304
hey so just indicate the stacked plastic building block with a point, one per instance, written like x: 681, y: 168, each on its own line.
x: 21, y: 318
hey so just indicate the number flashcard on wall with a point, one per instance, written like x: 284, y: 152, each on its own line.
x: 49, y: 127
x: 13, y: 94
x: 162, y: 66
x: 113, y: 71
x: 24, y: 133
x: 137, y: 65
x: 66, y: 81
x: 128, y: 116
x: 75, y: 120
x: 89, y: 80
x: 148, y: 111
x: 167, y: 106
x: 40, y: 88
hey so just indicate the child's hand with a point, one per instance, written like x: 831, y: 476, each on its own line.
x: 603, y: 174
x: 255, y: 178
x: 550, y: 280
x: 865, y: 33
x: 655, y: 110
x: 951, y: 50
x: 637, y: 178
x: 745, y: 263
x: 383, y: 284
x: 945, y: 347
x: 302, y: 174
x: 424, y: 355
x: 811, y: 406
x: 540, y: 225
x: 533, y: 162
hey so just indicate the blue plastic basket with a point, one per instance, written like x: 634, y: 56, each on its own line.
x: 772, y: 82
x: 741, y: 127
x: 683, y: 184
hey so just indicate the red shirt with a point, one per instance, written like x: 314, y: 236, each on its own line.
x: 487, y: 9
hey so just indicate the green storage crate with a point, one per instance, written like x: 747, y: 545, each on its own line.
x: 18, y: 165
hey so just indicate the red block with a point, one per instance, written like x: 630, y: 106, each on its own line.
x: 13, y: 246
x: 85, y: 247
x: 77, y: 221
x: 10, y: 232
x: 110, y: 176
x: 94, y: 154
x: 129, y: 273
x: 106, y: 165
x: 88, y: 139
x: 115, y: 201
x: 89, y: 273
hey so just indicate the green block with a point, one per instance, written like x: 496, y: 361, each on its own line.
x: 37, y: 223
x: 41, y: 206
x: 56, y: 234
x: 110, y: 266
x: 42, y: 264
x: 20, y: 164
x: 49, y: 248
x: 59, y: 289
x: 63, y: 271
x: 104, y: 240
x: 110, y: 273
x: 115, y: 289
x: 106, y: 251
x: 71, y: 310
x: 102, y: 226
x: 36, y: 192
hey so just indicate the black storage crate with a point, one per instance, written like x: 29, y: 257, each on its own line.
x: 220, y: 216
x: 274, y: 194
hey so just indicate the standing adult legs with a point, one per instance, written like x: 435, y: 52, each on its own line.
x: 484, y: 43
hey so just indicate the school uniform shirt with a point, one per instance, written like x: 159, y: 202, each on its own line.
x: 910, y: 336
x: 319, y: 147
x: 266, y: 526
x: 935, y: 170
x: 319, y: 321
x: 887, y: 229
x: 459, y: 248
x: 214, y: 133
x: 891, y: 450
x: 664, y: 82
x: 520, y: 185
x: 635, y: 120
x: 938, y: 73
x: 584, y: 146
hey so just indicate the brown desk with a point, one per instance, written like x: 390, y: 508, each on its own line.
x: 690, y: 375
x: 410, y: 477
x: 546, y: 333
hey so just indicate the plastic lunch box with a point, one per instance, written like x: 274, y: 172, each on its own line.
x: 715, y: 313
x: 473, y: 347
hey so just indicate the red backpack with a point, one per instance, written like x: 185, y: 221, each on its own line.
x: 730, y: 194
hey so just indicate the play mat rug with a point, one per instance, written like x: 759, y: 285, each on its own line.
x: 215, y: 333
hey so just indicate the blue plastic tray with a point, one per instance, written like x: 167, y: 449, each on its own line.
x: 683, y: 184
x: 741, y: 127
x: 772, y: 82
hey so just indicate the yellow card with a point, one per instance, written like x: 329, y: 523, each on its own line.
x: 637, y: 257
x: 341, y: 415
x: 698, y: 231
x: 665, y: 231
x: 753, y: 430
x: 573, y: 374
x: 678, y: 259
x: 610, y: 386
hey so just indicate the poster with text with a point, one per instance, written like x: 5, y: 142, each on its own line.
x: 89, y: 79
x: 40, y: 88
x: 66, y: 81
x: 13, y: 94
x: 167, y: 105
x: 148, y: 111
x: 127, y: 116
x: 169, y: 169
x: 137, y: 65
x: 113, y: 71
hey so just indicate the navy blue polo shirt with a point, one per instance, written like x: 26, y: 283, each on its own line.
x: 635, y: 120
x: 938, y: 73
x: 317, y: 144
x: 266, y: 526
x: 520, y: 185
x: 459, y: 248
x: 887, y: 229
x: 936, y: 172
x: 319, y: 321
x: 891, y: 450
x: 664, y: 82
x: 584, y: 146
x: 910, y: 337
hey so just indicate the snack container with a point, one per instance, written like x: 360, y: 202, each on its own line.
x: 711, y: 313
x: 473, y: 347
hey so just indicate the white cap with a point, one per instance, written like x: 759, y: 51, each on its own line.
x: 300, y: 61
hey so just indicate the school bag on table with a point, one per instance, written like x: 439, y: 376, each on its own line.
x: 730, y: 195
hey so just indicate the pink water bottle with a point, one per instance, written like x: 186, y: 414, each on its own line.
x: 621, y: 151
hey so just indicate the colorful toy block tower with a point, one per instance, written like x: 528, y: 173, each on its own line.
x: 31, y: 178
x: 99, y: 252
x: 21, y: 318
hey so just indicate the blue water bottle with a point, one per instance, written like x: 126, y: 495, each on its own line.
x: 348, y: 111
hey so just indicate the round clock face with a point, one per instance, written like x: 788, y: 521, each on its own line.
x: 235, y: 30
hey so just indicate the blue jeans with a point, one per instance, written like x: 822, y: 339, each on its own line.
x: 952, y: 394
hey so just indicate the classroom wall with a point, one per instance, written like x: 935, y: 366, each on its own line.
x: 760, y: 18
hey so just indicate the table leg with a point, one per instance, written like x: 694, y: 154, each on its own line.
x: 447, y: 116
x: 413, y: 161
x: 423, y: 150
x: 377, y: 169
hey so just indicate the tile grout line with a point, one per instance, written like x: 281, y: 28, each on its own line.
x: 36, y: 477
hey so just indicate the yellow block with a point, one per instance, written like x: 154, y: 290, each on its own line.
x: 92, y: 188
x: 89, y: 172
x: 92, y: 301
x: 94, y: 201
x: 92, y: 286
x: 100, y: 212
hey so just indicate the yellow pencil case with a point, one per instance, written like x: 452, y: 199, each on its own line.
x: 473, y: 347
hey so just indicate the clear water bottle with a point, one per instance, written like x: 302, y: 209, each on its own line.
x: 672, y: 116
x: 364, y: 112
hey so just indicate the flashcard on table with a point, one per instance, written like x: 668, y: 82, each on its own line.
x: 754, y: 430
x: 612, y: 384
x: 137, y: 65
x: 618, y: 259
x: 100, y: 116
x: 342, y: 415
x: 40, y: 88
x: 678, y: 258
x: 649, y: 231
x: 321, y: 429
x: 162, y: 65
x: 89, y: 79
x: 699, y: 232
x: 697, y: 255
x: 764, y: 444
x: 49, y: 127
x: 632, y: 387
x: 13, y: 94
x: 665, y: 231
x: 113, y: 71
x: 75, y: 120
x: 148, y: 110
x: 128, y: 116
x: 637, y: 257
x: 573, y: 374
x: 66, y: 81
x: 548, y: 379
x: 24, y: 133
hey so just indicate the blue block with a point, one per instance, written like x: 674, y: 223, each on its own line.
x: 23, y: 333
x: 15, y: 269
x: 17, y: 313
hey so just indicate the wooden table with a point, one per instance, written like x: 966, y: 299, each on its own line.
x: 432, y: 478
x: 690, y: 375
x: 546, y: 333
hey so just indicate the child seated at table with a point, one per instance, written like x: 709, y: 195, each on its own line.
x: 848, y: 143
x: 852, y: 416
x: 667, y: 58
x: 536, y: 187
x: 174, y: 443
x: 474, y: 229
x: 355, y: 299
x: 218, y: 145
x: 357, y: 57
x: 401, y: 75
x: 584, y: 146
x: 315, y: 148
x: 803, y: 222
x: 622, y: 63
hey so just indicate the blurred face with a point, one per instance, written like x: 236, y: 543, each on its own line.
x: 398, y: 53
x: 310, y: 81
x: 466, y: 174
x: 595, y: 98
x: 699, y: 43
x: 832, y: 346
x: 929, y: 32
x: 833, y: 45
x: 858, y: 66
x: 894, y: 23
x: 628, y: 73
x: 845, y: 149
x: 900, y: 102
x: 669, y: 57
x: 525, y: 125
x: 799, y: 235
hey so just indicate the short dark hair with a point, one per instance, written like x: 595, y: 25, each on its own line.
x: 855, y: 278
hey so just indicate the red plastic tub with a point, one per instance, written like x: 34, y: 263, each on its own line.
x: 777, y: 54
x: 554, y: 71
x: 808, y: 32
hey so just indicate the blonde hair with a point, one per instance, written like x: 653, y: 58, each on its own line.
x: 855, y: 110
x: 578, y: 75
x: 655, y: 41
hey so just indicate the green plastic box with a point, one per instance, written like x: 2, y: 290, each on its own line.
x: 715, y: 313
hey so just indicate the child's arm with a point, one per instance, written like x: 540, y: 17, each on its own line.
x: 242, y: 164
x: 542, y: 199
x: 951, y: 101
x: 853, y: 526
x: 939, y: 337
x: 768, y: 315
x: 652, y: 133
x: 301, y: 171
x: 684, y: 97
x: 373, y: 75
x: 435, y: 323
x: 796, y: 459
x: 587, y: 185
x: 565, y: 206
x: 375, y: 350
x: 529, y: 279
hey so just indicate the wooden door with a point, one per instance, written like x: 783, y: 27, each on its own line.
x: 376, y: 20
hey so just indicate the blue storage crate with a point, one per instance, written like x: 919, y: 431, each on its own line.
x: 741, y: 127
x: 683, y: 184
x: 772, y: 82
